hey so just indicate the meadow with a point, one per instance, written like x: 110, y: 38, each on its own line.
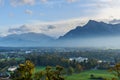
x: 37, y: 69
x: 85, y: 75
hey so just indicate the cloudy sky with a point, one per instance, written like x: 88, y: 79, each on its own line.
x: 53, y: 17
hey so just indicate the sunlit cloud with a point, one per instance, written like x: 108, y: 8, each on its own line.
x: 70, y: 1
x: 1, y: 2
x: 22, y: 2
x: 11, y: 15
x: 44, y: 1
x: 54, y: 29
x: 27, y: 11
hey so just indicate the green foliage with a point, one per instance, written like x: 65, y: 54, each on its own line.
x: 78, y: 68
x: 24, y: 71
x: 47, y: 59
x: 85, y: 75
x: 70, y: 71
x: 39, y: 68
x: 50, y: 73
x: 104, y: 65
x: 116, y: 70
x: 39, y: 75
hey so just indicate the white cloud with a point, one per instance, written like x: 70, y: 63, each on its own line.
x: 114, y: 21
x: 105, y: 9
x: 101, y: 9
x: 110, y: 3
x: 11, y: 14
x: 54, y: 29
x: 44, y: 1
x: 1, y: 2
x: 22, y: 2
x: 21, y: 29
x: 108, y: 13
x: 71, y: 1
x: 27, y: 11
x: 42, y: 14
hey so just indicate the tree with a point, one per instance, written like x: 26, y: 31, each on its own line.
x: 116, y: 70
x: 50, y: 73
x: 24, y: 71
x: 58, y: 72
x: 70, y: 71
x: 78, y: 68
x: 39, y: 75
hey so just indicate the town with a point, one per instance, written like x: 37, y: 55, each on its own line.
x: 88, y: 58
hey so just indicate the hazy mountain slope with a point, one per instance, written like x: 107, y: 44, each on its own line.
x: 92, y: 34
x: 93, y: 29
x: 26, y: 39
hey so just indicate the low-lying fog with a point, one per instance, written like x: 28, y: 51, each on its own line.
x: 110, y: 42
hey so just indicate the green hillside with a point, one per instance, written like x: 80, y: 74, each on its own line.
x: 86, y: 75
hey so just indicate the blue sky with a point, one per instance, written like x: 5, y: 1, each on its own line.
x: 50, y: 10
x: 16, y: 13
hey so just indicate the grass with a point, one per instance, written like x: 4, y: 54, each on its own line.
x: 86, y: 75
x: 39, y: 68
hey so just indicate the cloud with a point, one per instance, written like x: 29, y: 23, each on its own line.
x: 93, y: 9
x: 70, y: 1
x: 114, y: 21
x: 108, y: 12
x: 54, y: 29
x: 47, y: 28
x: 27, y: 11
x: 1, y: 2
x: 42, y: 14
x: 110, y: 3
x: 102, y: 9
x: 51, y: 27
x: 21, y: 29
x: 22, y: 2
x: 11, y: 14
x: 44, y: 1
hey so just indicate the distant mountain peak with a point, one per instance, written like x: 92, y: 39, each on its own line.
x: 93, y: 29
x: 95, y: 22
x: 92, y: 21
x: 26, y: 39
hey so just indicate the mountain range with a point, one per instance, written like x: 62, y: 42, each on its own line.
x: 92, y: 30
x: 26, y: 39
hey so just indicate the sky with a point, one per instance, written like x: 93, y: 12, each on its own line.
x: 53, y: 17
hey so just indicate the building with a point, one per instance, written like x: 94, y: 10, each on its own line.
x: 79, y: 59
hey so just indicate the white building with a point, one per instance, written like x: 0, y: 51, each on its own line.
x: 11, y: 69
x: 79, y: 59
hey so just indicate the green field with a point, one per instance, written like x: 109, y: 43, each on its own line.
x: 85, y: 75
x: 37, y: 69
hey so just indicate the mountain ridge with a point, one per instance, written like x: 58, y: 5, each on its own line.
x: 93, y: 29
x: 80, y: 34
x: 26, y: 39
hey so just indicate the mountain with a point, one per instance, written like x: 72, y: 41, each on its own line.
x: 95, y: 34
x: 93, y: 29
x: 26, y: 39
